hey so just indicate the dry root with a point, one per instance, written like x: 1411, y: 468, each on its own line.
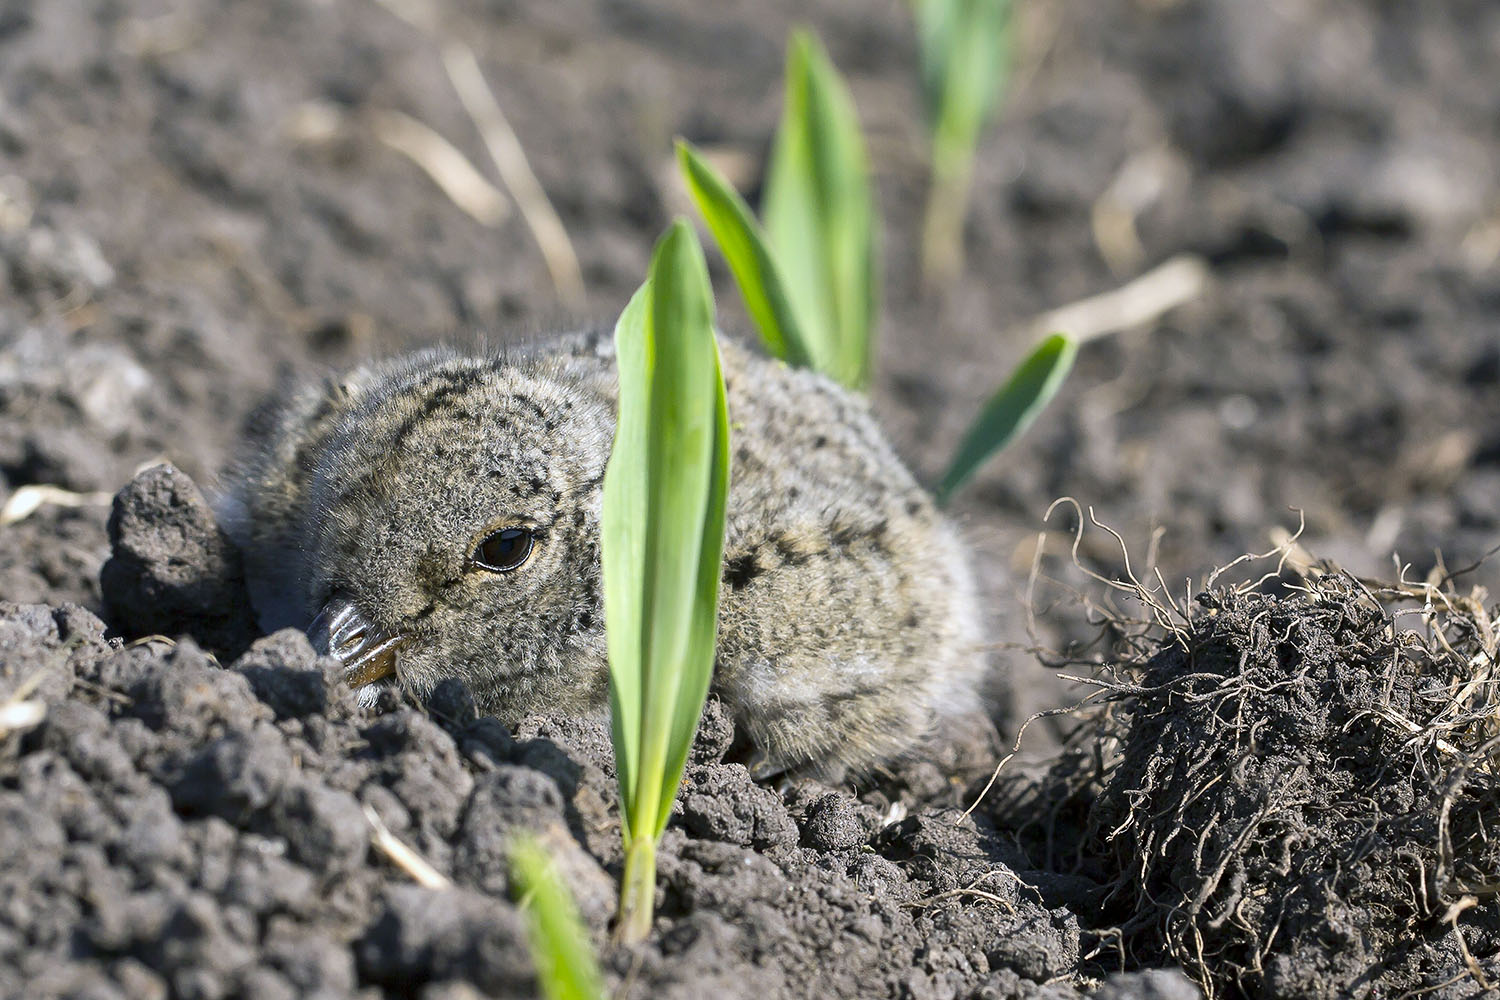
x: 1288, y: 783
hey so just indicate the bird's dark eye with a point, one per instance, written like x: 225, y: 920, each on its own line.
x: 504, y: 551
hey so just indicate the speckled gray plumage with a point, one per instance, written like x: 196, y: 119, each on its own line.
x: 848, y: 623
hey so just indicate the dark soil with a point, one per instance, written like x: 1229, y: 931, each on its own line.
x: 194, y: 205
x: 175, y: 827
x: 1305, y: 800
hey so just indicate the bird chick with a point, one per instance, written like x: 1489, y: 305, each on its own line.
x: 438, y: 516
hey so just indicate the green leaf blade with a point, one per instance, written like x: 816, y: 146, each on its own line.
x: 679, y: 485
x: 819, y: 215
x: 560, y: 947
x: 743, y: 245
x: 1012, y: 409
x: 622, y: 527
x: 664, y: 509
x: 704, y: 626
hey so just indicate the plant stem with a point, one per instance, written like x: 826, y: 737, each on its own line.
x: 637, y: 891
x: 943, y: 227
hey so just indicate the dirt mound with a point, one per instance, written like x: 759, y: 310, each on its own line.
x: 1307, y: 800
x: 1295, y: 796
x: 175, y: 827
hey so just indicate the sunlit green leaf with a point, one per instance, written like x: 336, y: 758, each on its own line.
x: 663, y: 538
x: 1012, y: 409
x: 623, y: 527
x: 744, y: 248
x: 560, y: 948
x: 703, y: 627
x: 819, y: 215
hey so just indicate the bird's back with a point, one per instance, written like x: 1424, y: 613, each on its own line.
x: 848, y: 622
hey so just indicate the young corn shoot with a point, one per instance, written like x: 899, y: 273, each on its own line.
x: 964, y: 47
x: 1011, y: 409
x: 560, y: 949
x: 808, y: 277
x: 663, y: 541
x: 819, y: 214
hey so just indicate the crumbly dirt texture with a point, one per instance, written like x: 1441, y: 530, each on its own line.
x: 1287, y: 795
x: 1305, y: 798
x: 1281, y: 796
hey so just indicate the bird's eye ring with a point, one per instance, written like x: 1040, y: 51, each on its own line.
x: 505, y: 550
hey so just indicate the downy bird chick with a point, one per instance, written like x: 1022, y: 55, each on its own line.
x: 438, y: 516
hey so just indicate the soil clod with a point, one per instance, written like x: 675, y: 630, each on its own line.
x: 172, y: 568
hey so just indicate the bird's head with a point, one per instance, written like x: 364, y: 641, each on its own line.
x: 453, y: 531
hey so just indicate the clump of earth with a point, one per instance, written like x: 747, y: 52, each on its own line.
x: 1289, y: 795
x: 179, y: 825
x: 1294, y: 797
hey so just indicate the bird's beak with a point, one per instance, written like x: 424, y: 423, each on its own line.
x: 342, y: 632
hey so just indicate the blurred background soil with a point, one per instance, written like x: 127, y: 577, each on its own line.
x: 194, y: 203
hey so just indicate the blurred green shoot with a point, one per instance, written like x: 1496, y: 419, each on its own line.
x: 560, y: 948
x: 663, y: 542
x: 965, y: 51
x: 809, y: 278
x: 1011, y: 410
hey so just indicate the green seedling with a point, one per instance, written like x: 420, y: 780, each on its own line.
x: 965, y: 51
x: 663, y: 542
x: 809, y: 278
x: 820, y: 214
x: 1011, y: 410
x: 560, y: 949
